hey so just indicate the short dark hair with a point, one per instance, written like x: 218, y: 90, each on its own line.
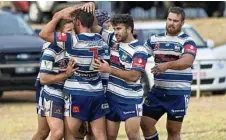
x: 86, y: 18
x: 61, y: 23
x: 122, y: 19
x: 177, y: 10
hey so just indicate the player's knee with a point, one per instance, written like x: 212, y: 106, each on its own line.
x: 111, y: 136
x: 173, y: 131
x: 99, y: 135
x: 44, y: 133
x: 133, y: 134
x: 57, y: 134
x: 144, y: 126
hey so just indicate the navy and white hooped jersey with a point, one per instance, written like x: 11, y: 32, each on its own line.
x: 84, y: 48
x: 125, y: 56
x: 37, y: 81
x: 54, y: 61
x: 170, y: 48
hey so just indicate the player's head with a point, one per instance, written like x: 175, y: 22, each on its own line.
x: 83, y: 20
x: 123, y: 26
x: 65, y: 26
x: 103, y: 18
x: 175, y: 20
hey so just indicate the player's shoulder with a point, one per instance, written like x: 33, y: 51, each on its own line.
x: 45, y: 45
x: 136, y: 43
x: 88, y: 37
x: 155, y: 37
x: 185, y: 37
x: 51, y: 47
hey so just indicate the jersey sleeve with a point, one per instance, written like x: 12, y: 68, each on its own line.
x: 63, y: 40
x: 48, y: 59
x: 190, y: 48
x: 107, y: 36
x: 140, y: 59
x: 149, y: 47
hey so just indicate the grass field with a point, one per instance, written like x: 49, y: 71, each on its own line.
x: 205, y: 119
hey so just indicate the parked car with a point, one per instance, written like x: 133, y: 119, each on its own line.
x: 212, y: 8
x: 212, y: 72
x: 20, y: 49
x: 220, y: 51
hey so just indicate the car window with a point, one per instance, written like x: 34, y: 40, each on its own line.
x: 144, y: 34
x: 13, y: 25
x: 198, y: 40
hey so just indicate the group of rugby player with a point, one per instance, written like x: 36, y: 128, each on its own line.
x: 72, y: 96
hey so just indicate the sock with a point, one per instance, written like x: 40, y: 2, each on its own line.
x: 153, y: 137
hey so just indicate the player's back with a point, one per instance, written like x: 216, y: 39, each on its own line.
x: 85, y: 48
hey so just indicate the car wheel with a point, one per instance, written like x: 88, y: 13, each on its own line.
x: 1, y: 94
x: 35, y: 14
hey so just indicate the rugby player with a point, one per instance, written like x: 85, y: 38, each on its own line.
x: 127, y: 63
x: 174, y: 53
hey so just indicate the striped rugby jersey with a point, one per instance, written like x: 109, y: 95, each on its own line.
x: 54, y: 61
x: 170, y: 48
x: 125, y: 56
x: 84, y: 48
x: 37, y: 81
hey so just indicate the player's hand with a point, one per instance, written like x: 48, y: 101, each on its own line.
x: 160, y: 68
x: 71, y: 67
x: 101, y: 66
x: 89, y: 7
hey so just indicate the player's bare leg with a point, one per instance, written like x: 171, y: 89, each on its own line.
x: 148, y: 126
x: 56, y: 128
x: 72, y: 126
x: 98, y: 127
x: 132, y: 127
x: 43, y: 129
x: 89, y: 135
x: 112, y: 129
x: 173, y: 129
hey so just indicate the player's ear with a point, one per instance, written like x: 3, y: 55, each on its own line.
x: 182, y: 23
x: 77, y: 23
x: 129, y: 29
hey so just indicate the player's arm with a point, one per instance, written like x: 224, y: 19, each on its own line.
x: 184, y: 62
x: 149, y: 47
x: 47, y: 78
x: 90, y: 7
x: 132, y: 75
x: 47, y: 32
x: 128, y: 75
x: 96, y: 28
x: 47, y: 74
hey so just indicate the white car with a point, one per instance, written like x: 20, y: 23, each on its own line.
x: 212, y: 71
x: 220, y: 51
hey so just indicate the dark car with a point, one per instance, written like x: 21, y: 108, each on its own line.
x: 20, y: 49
